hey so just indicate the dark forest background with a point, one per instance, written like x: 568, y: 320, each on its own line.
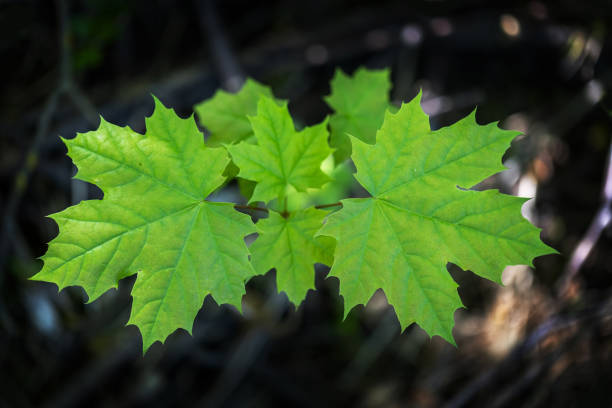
x: 543, y: 339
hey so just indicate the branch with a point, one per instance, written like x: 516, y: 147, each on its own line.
x: 328, y: 205
x: 82, y: 103
x: 23, y: 176
x: 522, y: 350
x: 67, y: 86
x: 244, y: 357
x: 602, y: 219
x: 262, y: 209
x: 251, y: 207
x: 223, y: 57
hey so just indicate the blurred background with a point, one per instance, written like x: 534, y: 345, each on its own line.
x: 544, y: 68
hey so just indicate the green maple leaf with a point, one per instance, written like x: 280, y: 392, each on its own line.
x: 225, y: 117
x: 225, y: 114
x: 153, y: 221
x: 288, y: 244
x: 420, y: 217
x: 359, y: 103
x: 283, y: 158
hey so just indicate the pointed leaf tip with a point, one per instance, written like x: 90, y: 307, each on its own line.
x: 417, y: 220
x: 154, y: 221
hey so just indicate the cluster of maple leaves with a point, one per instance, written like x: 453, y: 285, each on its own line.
x: 155, y: 219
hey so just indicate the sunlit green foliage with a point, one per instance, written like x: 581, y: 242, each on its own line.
x: 155, y: 220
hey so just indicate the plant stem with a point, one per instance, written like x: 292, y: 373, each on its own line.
x: 338, y: 204
x: 250, y: 207
x: 285, y: 213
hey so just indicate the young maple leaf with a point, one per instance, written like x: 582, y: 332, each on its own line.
x: 225, y: 114
x: 288, y: 244
x: 153, y: 221
x: 359, y: 103
x: 420, y: 217
x: 283, y: 158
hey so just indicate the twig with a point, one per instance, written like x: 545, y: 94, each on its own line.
x: 520, y: 384
x: 78, y: 188
x: 67, y: 86
x: 244, y: 357
x: 602, y: 219
x: 328, y: 205
x: 553, y: 325
x: 373, y: 347
x: 83, y: 382
x: 21, y: 181
x: 82, y: 103
x: 285, y: 213
x: 250, y: 207
x: 262, y: 209
x: 23, y: 176
x: 482, y: 381
x: 232, y: 76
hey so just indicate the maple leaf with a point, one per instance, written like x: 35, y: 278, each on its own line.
x: 283, y: 158
x: 420, y: 217
x: 288, y: 244
x: 359, y: 103
x: 153, y: 221
x: 225, y: 117
x: 225, y: 114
